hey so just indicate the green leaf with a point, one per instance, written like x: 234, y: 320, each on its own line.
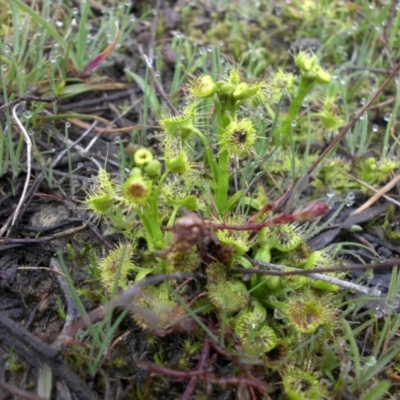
x: 377, y: 392
x: 233, y: 200
x: 142, y: 273
x: 189, y: 202
x: 147, y: 90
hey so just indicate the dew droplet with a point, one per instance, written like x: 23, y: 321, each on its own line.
x: 272, y: 299
x: 27, y: 114
x: 68, y: 124
x: 370, y: 361
x: 375, y: 128
x: 351, y: 196
x: 4, y: 67
x: 75, y: 11
x: 330, y: 193
x: 378, y: 313
x: 210, y: 48
x: 148, y: 60
x: 59, y: 24
x: 392, y: 304
x: 387, y: 116
x: 293, y: 123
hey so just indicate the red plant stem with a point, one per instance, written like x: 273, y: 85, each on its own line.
x: 239, y: 380
x: 170, y: 372
x: 187, y: 394
x: 308, y: 213
x: 223, y: 382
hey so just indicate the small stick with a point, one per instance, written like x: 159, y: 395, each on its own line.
x: 282, y: 270
x: 291, y: 191
x: 362, y: 183
x: 28, y: 163
x: 28, y: 97
x: 377, y: 195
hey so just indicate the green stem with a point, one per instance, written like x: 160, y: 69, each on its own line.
x: 171, y: 221
x: 151, y: 220
x: 222, y: 185
x: 209, y: 154
x: 303, y: 90
x: 154, y: 234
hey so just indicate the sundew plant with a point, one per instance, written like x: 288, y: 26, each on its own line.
x: 207, y: 255
x: 184, y: 209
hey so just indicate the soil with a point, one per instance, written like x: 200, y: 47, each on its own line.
x: 38, y: 316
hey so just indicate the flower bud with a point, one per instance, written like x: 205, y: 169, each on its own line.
x: 241, y: 92
x: 142, y: 157
x: 153, y: 168
x: 321, y: 75
x: 225, y: 89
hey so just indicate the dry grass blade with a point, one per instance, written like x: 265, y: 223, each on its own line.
x: 378, y: 195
